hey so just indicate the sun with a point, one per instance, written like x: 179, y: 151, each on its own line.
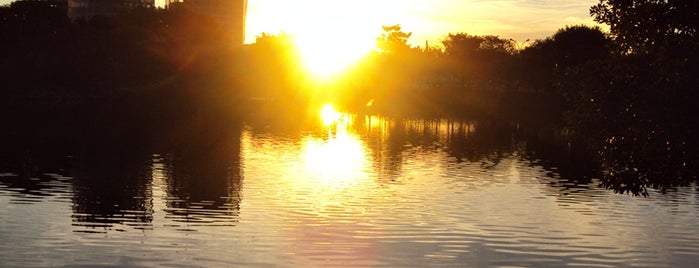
x: 330, y: 35
x: 324, y: 55
x: 329, y: 42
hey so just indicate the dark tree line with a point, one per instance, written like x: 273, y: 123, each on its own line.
x: 472, y: 76
x: 639, y: 106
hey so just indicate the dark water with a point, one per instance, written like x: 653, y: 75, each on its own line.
x: 364, y: 192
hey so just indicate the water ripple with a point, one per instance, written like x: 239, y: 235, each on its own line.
x: 388, y: 193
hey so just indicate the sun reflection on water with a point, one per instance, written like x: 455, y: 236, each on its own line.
x: 329, y: 115
x: 336, y: 159
x: 334, y: 162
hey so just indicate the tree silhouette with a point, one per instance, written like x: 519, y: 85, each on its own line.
x: 274, y: 74
x: 647, y: 26
x: 478, y: 57
x: 546, y: 60
x: 635, y: 107
x: 393, y: 40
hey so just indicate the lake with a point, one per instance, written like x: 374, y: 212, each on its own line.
x: 357, y: 191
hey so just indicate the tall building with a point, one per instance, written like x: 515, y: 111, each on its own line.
x: 85, y: 9
x: 230, y: 13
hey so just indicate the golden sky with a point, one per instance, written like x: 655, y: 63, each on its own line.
x: 427, y: 19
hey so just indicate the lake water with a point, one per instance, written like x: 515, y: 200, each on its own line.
x: 365, y: 191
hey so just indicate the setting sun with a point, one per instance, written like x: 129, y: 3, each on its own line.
x: 326, y: 58
x: 329, y: 35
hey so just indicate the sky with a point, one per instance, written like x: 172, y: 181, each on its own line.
x: 428, y: 20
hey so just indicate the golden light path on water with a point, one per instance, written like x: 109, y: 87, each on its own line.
x: 324, y: 164
x: 337, y: 160
x: 317, y: 189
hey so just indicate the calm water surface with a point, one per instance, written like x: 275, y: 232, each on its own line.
x: 364, y: 192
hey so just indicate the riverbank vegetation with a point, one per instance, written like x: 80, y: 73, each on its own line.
x: 627, y: 94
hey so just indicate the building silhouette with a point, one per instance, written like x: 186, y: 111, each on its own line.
x: 86, y: 9
x: 229, y: 13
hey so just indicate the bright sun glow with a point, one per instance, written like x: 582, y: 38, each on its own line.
x: 331, y: 35
x: 329, y: 115
x: 325, y: 58
x: 329, y: 45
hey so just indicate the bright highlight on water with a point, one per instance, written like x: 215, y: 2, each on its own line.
x: 329, y: 115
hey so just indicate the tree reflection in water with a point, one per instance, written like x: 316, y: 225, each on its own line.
x: 203, y: 178
x: 316, y: 196
x: 111, y: 186
x: 196, y: 179
x: 33, y: 176
x: 483, y: 142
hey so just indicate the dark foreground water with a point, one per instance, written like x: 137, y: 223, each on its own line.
x: 373, y: 192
